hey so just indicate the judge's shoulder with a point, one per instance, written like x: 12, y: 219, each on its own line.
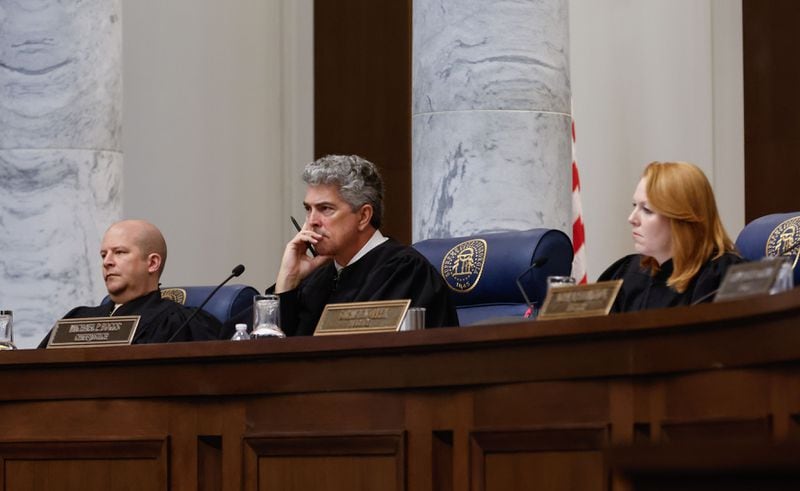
x: 632, y: 263
x: 718, y: 266
x: 620, y: 267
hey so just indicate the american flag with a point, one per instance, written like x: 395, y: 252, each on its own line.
x: 578, y: 234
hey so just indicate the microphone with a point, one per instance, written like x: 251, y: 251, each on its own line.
x: 704, y: 297
x: 237, y: 271
x: 535, y: 264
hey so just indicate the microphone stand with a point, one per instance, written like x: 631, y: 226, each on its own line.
x: 238, y: 270
x: 535, y: 264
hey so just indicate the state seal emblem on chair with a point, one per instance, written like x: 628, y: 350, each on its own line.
x: 784, y: 238
x: 177, y: 295
x: 462, y: 266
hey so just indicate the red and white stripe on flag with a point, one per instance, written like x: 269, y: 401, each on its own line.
x: 578, y: 234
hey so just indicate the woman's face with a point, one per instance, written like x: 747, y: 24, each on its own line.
x: 651, y: 232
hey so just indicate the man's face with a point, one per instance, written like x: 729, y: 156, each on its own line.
x: 330, y: 216
x: 126, y: 269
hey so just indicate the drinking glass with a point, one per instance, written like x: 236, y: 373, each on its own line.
x: 414, y: 319
x: 267, y: 317
x: 558, y: 281
x: 6, y: 330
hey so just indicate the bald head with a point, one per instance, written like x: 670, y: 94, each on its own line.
x: 149, y: 239
x: 134, y: 253
x: 146, y: 236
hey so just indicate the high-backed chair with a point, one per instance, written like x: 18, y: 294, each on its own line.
x: 772, y: 235
x: 226, y: 303
x: 482, y: 270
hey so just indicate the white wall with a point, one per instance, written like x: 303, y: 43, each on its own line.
x: 218, y: 119
x: 654, y: 80
x: 218, y: 122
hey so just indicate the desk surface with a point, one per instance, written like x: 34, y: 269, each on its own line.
x: 705, y: 337
x: 480, y: 407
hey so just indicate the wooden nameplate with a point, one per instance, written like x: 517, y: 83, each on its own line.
x: 564, y: 302
x: 362, y: 317
x: 94, y: 331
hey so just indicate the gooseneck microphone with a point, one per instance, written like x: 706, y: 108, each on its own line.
x: 535, y: 264
x: 704, y: 297
x: 237, y: 271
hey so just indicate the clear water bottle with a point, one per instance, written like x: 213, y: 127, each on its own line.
x: 241, y: 333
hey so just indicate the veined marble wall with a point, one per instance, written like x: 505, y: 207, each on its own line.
x: 60, y: 155
x: 491, y: 116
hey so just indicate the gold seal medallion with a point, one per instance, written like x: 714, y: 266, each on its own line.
x: 783, y: 239
x: 462, y: 266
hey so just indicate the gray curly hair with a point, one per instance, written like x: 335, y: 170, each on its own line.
x: 358, y: 180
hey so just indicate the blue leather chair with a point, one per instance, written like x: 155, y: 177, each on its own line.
x: 226, y: 303
x: 482, y: 270
x: 772, y: 235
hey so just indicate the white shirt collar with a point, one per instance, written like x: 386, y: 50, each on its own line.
x: 373, y: 242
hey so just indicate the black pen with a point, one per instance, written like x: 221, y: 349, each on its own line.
x: 299, y: 228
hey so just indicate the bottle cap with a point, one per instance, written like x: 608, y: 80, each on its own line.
x: 241, y: 327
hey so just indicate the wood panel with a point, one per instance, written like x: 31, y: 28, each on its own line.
x: 86, y: 466
x: 547, y: 459
x: 331, y: 462
x: 362, y: 93
x: 771, y: 106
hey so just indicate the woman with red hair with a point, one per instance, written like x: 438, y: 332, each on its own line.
x: 683, y: 249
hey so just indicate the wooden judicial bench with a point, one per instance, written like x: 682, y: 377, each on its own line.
x: 706, y: 397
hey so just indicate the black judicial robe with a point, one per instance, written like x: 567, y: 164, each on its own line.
x: 160, y: 317
x: 641, y: 290
x: 390, y: 271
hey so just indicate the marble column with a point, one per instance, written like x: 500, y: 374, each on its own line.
x: 490, y: 116
x: 60, y: 155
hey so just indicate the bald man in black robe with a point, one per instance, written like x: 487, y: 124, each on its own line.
x: 134, y: 253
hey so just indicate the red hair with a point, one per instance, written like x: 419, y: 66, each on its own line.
x: 681, y: 192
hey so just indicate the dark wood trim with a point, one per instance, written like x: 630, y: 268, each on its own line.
x: 719, y: 429
x: 323, y: 444
x: 362, y: 94
x: 700, y: 456
x: 90, y: 449
x: 565, y: 437
x: 771, y: 106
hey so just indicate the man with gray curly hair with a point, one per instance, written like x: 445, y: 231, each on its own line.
x: 350, y: 260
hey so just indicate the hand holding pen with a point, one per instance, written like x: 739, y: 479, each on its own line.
x: 299, y: 228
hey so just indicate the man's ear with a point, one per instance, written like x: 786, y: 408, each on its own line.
x: 153, y: 262
x: 364, y: 216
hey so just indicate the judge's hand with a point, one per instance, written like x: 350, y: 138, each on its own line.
x: 296, y: 264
